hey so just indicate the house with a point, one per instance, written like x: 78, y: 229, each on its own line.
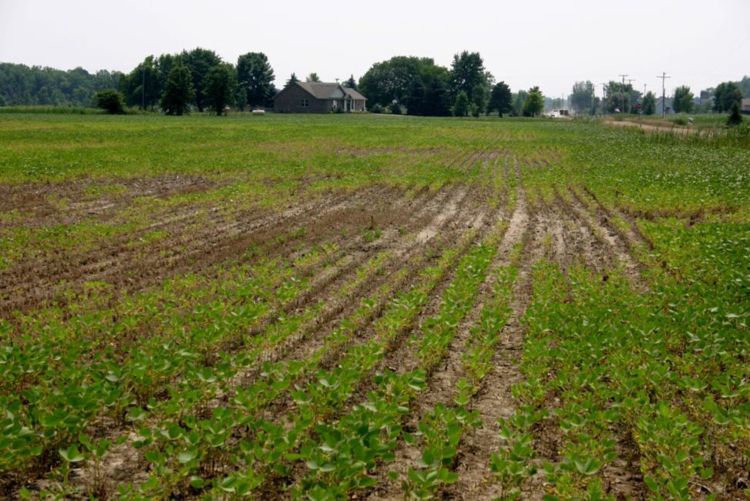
x: 318, y: 97
x: 745, y: 106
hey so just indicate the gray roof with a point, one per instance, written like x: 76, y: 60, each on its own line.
x: 325, y: 90
x: 354, y: 94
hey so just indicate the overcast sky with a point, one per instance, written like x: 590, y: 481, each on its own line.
x: 550, y: 43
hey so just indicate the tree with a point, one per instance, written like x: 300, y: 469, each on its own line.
x: 534, y: 103
x: 582, y: 97
x: 734, y: 118
x: 142, y: 86
x: 744, y: 86
x: 178, y: 91
x: 351, y: 83
x: 313, y: 77
x: 649, y: 103
x: 683, y: 100
x: 468, y: 75
x: 429, y: 92
x: 110, y: 101
x: 200, y: 62
x: 725, y: 95
x: 418, y: 83
x: 620, y: 97
x: 518, y: 99
x: 219, y: 87
x: 24, y: 85
x: 500, y: 99
x: 461, y: 104
x: 292, y: 80
x: 255, y: 79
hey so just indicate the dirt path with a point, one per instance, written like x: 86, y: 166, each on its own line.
x: 680, y: 131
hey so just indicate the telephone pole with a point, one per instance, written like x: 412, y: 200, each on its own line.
x: 630, y: 94
x: 604, y: 95
x: 663, y: 93
x: 622, y: 92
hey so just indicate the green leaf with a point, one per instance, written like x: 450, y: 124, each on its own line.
x: 186, y: 456
x: 71, y: 454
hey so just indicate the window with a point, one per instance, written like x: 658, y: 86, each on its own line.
x: 304, y: 103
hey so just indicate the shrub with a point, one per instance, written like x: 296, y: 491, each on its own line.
x: 734, y: 118
x: 110, y: 101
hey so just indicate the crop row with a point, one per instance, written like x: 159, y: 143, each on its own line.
x: 442, y: 428
x: 259, y: 452
x: 341, y: 455
x: 53, y: 391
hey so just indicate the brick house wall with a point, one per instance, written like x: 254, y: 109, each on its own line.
x: 293, y: 99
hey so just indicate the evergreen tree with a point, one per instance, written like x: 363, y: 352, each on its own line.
x: 351, y: 83
x: 178, y: 91
x: 735, y: 118
x: 292, y: 80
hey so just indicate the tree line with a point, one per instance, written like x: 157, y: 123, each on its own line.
x: 622, y: 97
x: 418, y: 86
x: 36, y: 85
x: 200, y: 79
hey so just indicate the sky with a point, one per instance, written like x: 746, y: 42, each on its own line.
x: 550, y: 43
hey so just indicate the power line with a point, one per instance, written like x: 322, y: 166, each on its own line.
x: 663, y: 93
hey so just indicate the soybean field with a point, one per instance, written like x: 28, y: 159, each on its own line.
x: 371, y: 307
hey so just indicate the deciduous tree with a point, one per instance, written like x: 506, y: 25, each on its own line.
x: 418, y: 83
x: 468, y: 75
x: 313, y: 77
x: 219, y: 87
x: 683, y: 100
x: 725, y: 95
x: 461, y: 104
x: 255, y: 79
x: 200, y: 62
x: 110, y: 101
x: 582, y: 97
x: 500, y: 99
x: 178, y: 91
x: 649, y: 103
x: 534, y: 103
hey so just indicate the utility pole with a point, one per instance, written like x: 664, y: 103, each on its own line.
x: 622, y: 92
x: 630, y: 95
x: 663, y: 93
x: 604, y: 94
